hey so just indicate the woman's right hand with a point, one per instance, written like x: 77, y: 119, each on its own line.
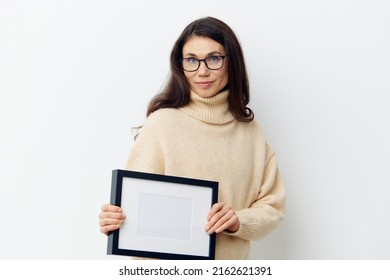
x: 111, y: 218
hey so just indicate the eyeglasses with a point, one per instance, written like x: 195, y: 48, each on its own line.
x: 192, y: 64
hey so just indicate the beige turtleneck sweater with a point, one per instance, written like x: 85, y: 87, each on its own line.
x: 203, y: 140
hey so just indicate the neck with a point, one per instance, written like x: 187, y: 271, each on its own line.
x: 214, y: 110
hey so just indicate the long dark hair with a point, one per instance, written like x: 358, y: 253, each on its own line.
x: 177, y: 91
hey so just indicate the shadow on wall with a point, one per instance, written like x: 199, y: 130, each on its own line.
x: 277, y: 245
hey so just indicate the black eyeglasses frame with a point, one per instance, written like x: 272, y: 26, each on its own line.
x: 204, y: 60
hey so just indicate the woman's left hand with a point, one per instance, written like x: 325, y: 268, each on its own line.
x: 222, y: 217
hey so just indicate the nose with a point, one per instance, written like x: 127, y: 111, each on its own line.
x: 203, y: 70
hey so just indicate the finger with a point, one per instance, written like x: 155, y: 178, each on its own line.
x: 106, y: 229
x: 105, y: 222
x: 215, y: 209
x: 111, y: 208
x: 230, y: 225
x: 216, y: 217
x: 220, y: 221
x: 218, y: 212
x: 112, y: 215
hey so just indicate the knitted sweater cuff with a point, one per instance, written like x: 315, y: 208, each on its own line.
x: 256, y: 228
x: 247, y: 228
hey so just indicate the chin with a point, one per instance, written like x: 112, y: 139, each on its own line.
x: 206, y: 94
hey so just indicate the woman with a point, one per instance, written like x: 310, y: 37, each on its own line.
x: 200, y: 127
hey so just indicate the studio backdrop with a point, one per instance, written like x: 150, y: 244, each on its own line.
x: 76, y: 76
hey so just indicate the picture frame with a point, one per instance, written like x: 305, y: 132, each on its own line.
x: 165, y: 216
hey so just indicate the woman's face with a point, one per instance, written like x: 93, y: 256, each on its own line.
x: 205, y: 82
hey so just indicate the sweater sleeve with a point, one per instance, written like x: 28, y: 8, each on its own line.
x: 268, y: 209
x: 146, y: 154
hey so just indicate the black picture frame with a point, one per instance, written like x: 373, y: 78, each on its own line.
x: 142, y: 196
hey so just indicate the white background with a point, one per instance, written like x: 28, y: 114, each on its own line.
x: 75, y: 76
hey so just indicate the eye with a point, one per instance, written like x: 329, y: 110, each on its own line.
x: 190, y: 60
x: 214, y: 59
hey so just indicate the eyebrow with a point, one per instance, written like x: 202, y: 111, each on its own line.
x: 194, y: 55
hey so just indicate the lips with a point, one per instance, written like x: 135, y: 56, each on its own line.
x: 204, y: 84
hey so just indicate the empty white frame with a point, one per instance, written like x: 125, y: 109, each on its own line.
x: 165, y: 216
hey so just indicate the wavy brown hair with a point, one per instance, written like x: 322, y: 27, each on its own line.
x: 177, y: 91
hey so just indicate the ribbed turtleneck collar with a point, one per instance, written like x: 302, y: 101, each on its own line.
x: 214, y: 110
